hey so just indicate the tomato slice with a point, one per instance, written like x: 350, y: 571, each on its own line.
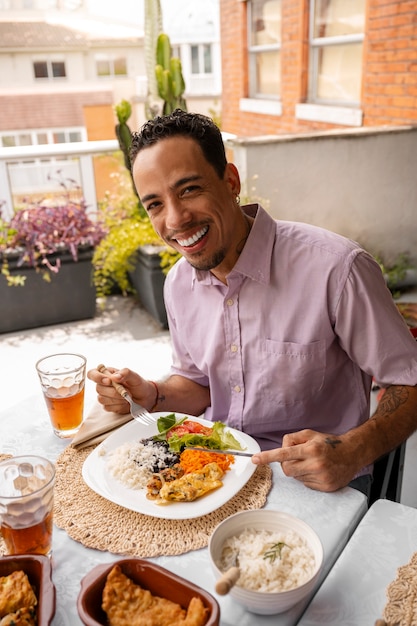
x: 188, y: 427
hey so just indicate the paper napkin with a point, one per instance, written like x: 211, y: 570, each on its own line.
x: 98, y: 425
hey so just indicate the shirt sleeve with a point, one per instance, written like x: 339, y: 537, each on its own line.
x: 370, y: 328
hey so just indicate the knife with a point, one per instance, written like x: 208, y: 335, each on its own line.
x: 234, y: 452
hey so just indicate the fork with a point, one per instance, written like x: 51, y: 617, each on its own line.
x: 137, y: 411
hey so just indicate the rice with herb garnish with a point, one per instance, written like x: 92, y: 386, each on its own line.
x: 268, y: 561
x: 134, y: 463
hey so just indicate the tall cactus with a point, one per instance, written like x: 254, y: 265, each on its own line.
x: 153, y: 28
x: 123, y: 111
x: 168, y: 72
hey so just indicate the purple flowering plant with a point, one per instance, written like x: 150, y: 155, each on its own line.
x: 40, y: 230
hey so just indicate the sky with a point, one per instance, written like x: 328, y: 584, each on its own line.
x: 124, y: 17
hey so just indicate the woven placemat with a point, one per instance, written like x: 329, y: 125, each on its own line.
x: 401, y: 607
x: 97, y: 523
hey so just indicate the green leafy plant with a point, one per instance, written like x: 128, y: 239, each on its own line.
x: 128, y: 227
x: 395, y: 272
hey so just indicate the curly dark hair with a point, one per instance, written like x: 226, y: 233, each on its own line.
x: 194, y: 125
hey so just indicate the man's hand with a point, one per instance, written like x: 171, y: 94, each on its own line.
x: 320, y: 461
x: 141, y: 390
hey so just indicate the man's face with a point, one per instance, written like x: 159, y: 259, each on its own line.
x: 190, y: 207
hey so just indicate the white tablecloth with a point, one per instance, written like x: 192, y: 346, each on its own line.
x: 354, y: 592
x: 26, y: 428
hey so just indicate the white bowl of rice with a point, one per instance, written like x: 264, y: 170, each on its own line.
x: 278, y: 555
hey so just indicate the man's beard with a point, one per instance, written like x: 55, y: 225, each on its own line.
x: 205, y: 265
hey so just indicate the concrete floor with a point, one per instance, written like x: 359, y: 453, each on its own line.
x: 121, y: 334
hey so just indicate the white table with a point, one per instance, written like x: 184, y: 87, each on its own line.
x: 353, y: 594
x: 26, y: 428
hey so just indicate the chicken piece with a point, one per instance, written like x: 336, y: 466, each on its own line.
x: 194, y: 485
x: 159, y: 479
x: 15, y: 593
x: 22, y: 617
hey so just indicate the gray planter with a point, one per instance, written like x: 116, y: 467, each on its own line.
x: 148, y: 281
x: 69, y: 296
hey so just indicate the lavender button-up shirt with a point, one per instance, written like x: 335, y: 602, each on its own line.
x: 294, y: 338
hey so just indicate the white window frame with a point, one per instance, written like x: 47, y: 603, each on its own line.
x: 258, y: 103
x: 49, y: 60
x: 49, y: 132
x: 253, y: 50
x: 201, y: 49
x: 319, y: 110
x: 110, y: 59
x: 316, y: 45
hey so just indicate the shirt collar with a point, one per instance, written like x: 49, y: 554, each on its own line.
x: 255, y: 259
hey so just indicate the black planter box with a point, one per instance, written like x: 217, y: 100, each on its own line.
x: 69, y: 296
x: 148, y: 281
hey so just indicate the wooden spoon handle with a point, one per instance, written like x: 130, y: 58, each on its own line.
x: 102, y: 368
x: 227, y: 581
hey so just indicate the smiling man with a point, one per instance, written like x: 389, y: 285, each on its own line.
x: 277, y: 327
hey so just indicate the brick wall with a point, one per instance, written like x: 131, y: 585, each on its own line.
x: 390, y: 63
x: 389, y: 70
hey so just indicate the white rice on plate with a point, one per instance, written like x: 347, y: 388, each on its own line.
x: 133, y: 463
x: 293, y: 565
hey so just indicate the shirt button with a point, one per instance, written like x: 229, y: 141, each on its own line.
x: 237, y: 388
x: 234, y: 348
x: 229, y: 302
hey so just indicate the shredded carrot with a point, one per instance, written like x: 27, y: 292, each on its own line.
x: 193, y: 460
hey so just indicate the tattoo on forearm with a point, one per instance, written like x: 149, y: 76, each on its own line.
x: 394, y: 397
x: 332, y: 442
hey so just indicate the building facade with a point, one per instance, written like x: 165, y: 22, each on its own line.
x: 294, y: 66
x: 62, y: 69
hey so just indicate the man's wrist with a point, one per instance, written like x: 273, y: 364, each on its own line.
x: 155, y: 404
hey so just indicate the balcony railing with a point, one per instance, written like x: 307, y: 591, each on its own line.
x: 38, y: 171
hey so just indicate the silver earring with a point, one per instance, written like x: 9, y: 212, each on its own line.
x: 238, y: 200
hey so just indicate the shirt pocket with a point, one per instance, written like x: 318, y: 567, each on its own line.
x: 292, y: 372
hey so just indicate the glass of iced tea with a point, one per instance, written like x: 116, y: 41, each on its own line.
x: 62, y: 379
x: 26, y: 504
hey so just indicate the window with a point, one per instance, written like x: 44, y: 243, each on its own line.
x: 61, y: 135
x: 264, y: 46
x: 336, y: 41
x: 107, y: 65
x: 49, y: 69
x: 201, y: 59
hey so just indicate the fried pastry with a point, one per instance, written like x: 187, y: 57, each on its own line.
x: 16, y: 593
x: 22, y: 617
x: 127, y: 604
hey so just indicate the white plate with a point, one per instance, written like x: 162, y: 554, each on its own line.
x: 99, y: 479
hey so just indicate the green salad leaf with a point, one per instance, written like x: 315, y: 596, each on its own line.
x: 220, y: 439
x: 165, y: 423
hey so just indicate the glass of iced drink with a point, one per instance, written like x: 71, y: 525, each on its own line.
x: 26, y: 504
x: 62, y: 378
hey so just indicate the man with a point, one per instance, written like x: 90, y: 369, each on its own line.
x: 277, y: 327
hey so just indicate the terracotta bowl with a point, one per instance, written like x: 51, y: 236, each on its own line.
x: 39, y: 571
x: 159, y: 581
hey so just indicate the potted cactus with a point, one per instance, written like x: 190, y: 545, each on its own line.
x: 45, y: 258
